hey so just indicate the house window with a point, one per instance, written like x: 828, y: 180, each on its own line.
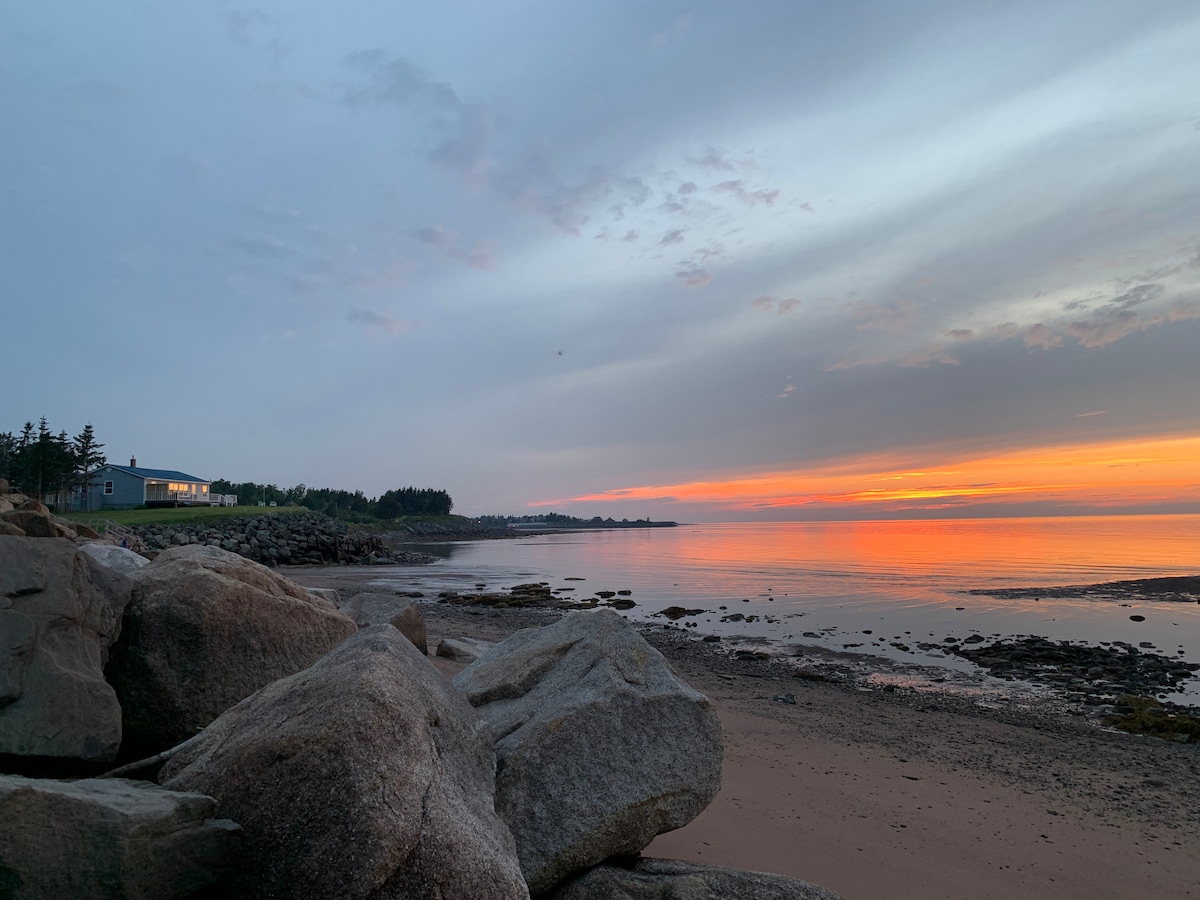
x: 108, y: 487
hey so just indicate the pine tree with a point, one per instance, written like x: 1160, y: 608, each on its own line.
x: 87, y: 459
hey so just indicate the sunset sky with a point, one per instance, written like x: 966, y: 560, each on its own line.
x: 700, y: 261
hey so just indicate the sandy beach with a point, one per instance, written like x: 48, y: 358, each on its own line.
x: 898, y: 793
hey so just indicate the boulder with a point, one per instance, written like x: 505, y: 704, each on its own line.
x: 206, y: 628
x: 4, y: 486
x: 63, y: 529
x: 87, y: 532
x: 365, y: 775
x: 666, y: 879
x: 36, y: 506
x: 333, y: 595
x: 111, y: 556
x: 98, y: 839
x: 59, y: 613
x: 9, y: 529
x: 387, y: 609
x: 5, y: 505
x: 600, y: 746
x: 34, y: 524
x: 463, y: 649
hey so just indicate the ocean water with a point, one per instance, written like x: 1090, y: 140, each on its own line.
x: 855, y: 587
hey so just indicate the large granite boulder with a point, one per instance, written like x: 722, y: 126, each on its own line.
x: 369, y: 608
x: 600, y: 746
x: 100, y: 839
x: 666, y: 879
x: 32, y: 522
x: 205, y: 629
x: 8, y: 529
x: 5, y: 504
x: 111, y: 556
x: 59, y: 612
x: 364, y: 776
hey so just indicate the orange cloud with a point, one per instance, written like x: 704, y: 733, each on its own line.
x: 1112, y: 474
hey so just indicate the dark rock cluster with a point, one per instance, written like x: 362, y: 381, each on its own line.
x: 538, y: 594
x: 1171, y: 589
x: 293, y: 539
x: 1098, y: 673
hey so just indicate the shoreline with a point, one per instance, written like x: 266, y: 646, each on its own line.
x: 903, y: 795
x: 1078, y: 676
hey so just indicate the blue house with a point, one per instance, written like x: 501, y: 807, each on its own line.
x: 124, y: 487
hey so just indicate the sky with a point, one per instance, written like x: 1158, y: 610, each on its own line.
x: 690, y: 260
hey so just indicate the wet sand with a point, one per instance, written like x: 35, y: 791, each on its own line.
x: 899, y: 793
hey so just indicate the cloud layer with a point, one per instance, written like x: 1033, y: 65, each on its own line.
x: 601, y: 252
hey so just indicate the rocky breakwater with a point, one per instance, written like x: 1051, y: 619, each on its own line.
x: 433, y: 532
x: 281, y: 539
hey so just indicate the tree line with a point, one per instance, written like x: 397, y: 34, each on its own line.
x: 558, y: 520
x: 42, y: 464
x: 408, y: 501
x: 57, y: 468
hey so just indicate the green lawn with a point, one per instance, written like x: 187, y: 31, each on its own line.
x: 181, y: 514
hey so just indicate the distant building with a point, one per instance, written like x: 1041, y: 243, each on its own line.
x: 124, y: 487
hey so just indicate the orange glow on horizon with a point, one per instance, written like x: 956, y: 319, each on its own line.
x: 1113, y: 474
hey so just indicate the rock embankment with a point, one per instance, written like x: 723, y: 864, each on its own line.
x: 447, y: 531
x: 281, y: 539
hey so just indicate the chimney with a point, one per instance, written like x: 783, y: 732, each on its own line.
x: 133, y: 462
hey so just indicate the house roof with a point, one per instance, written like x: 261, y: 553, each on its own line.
x: 159, y: 474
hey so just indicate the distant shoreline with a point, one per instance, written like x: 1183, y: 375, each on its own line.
x: 547, y: 528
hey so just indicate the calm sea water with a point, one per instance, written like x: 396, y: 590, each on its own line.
x: 867, y: 583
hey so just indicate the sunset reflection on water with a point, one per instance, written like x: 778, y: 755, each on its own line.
x: 859, y: 585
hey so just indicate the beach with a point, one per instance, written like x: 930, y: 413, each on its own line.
x: 883, y: 791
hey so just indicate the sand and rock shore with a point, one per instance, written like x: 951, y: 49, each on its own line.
x: 604, y: 734
x: 876, y: 790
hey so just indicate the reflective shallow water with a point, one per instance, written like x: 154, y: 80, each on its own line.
x: 862, y: 586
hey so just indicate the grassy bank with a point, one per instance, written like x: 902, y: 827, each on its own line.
x: 186, y: 515
x: 181, y: 514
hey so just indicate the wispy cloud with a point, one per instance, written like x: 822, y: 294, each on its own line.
x: 462, y: 128
x: 390, y: 275
x: 261, y: 246
x: 445, y: 241
x: 712, y: 158
x: 739, y: 190
x: 694, y: 278
x: 374, y: 319
x: 783, y: 306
